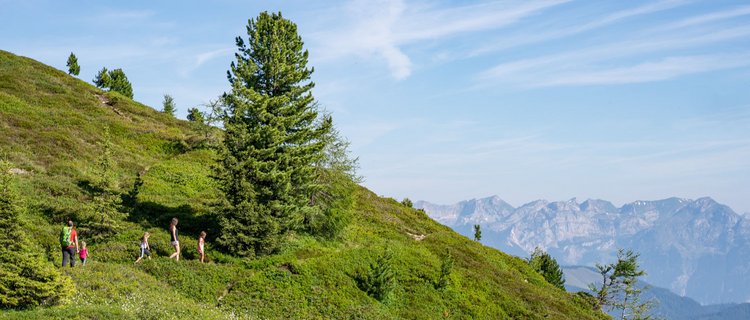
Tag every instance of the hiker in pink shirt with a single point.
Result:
(83, 253)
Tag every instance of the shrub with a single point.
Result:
(407, 202)
(378, 281)
(547, 266)
(445, 271)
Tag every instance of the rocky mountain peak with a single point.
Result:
(682, 242)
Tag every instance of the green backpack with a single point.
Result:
(65, 237)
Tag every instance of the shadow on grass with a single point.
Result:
(156, 215)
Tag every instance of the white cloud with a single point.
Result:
(608, 63)
(363, 134)
(666, 68)
(536, 37)
(111, 17)
(710, 17)
(202, 58)
(380, 29)
(196, 60)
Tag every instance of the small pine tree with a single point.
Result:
(446, 267)
(119, 83)
(73, 67)
(102, 79)
(547, 266)
(619, 289)
(211, 118)
(114, 80)
(169, 106)
(477, 233)
(26, 278)
(407, 202)
(379, 280)
(130, 200)
(194, 115)
(106, 205)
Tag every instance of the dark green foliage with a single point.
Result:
(119, 83)
(273, 139)
(379, 279)
(168, 105)
(73, 67)
(477, 233)
(130, 200)
(102, 79)
(105, 210)
(407, 202)
(619, 289)
(114, 80)
(194, 115)
(26, 279)
(446, 267)
(547, 266)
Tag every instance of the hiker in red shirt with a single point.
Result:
(69, 244)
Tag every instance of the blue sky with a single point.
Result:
(451, 100)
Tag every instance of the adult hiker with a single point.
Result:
(175, 239)
(69, 244)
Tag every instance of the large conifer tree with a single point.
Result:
(274, 136)
(26, 278)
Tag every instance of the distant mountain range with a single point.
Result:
(696, 248)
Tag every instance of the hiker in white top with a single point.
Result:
(145, 248)
(201, 246)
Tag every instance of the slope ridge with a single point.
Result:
(52, 128)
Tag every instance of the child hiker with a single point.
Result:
(201, 245)
(175, 239)
(83, 253)
(145, 248)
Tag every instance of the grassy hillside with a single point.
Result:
(52, 125)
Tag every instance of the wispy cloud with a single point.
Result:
(662, 69)
(113, 17)
(364, 134)
(382, 28)
(198, 59)
(624, 61)
(710, 17)
(546, 35)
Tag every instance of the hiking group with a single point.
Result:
(70, 246)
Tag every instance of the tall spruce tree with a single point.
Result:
(73, 67)
(274, 136)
